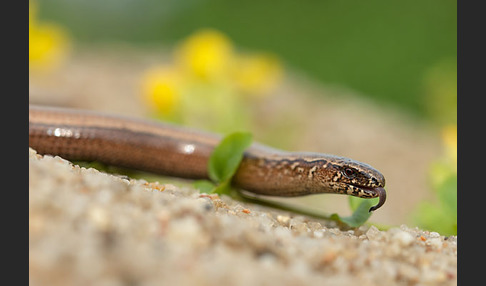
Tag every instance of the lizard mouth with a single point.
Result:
(370, 192)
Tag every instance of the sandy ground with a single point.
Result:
(90, 228)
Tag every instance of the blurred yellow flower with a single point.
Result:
(207, 55)
(161, 87)
(257, 74)
(48, 43)
(449, 137)
(209, 83)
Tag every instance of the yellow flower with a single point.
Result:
(449, 137)
(48, 43)
(206, 55)
(162, 90)
(204, 85)
(257, 74)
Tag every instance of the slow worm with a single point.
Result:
(174, 151)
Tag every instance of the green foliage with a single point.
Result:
(440, 216)
(226, 157)
(204, 186)
(360, 214)
(440, 86)
(224, 162)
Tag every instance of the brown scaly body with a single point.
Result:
(180, 152)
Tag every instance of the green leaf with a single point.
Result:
(223, 188)
(355, 202)
(361, 213)
(204, 186)
(226, 157)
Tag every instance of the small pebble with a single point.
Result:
(403, 238)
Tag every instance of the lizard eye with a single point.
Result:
(349, 173)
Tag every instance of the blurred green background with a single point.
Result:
(383, 49)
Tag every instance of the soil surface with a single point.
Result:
(91, 228)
